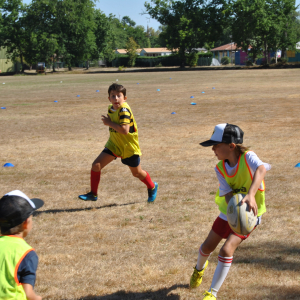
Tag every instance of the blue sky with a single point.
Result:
(121, 8)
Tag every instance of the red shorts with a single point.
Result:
(222, 228)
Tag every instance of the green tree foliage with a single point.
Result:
(104, 35)
(264, 25)
(13, 33)
(189, 23)
(131, 48)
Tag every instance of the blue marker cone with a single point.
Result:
(203, 92)
(55, 101)
(137, 83)
(8, 165)
(170, 78)
(78, 96)
(3, 107)
(213, 88)
(158, 90)
(192, 97)
(97, 91)
(193, 103)
(173, 113)
(297, 165)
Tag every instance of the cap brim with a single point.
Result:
(209, 143)
(37, 202)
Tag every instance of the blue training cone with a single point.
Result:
(8, 165)
(192, 97)
(173, 113)
(213, 88)
(193, 103)
(55, 101)
(78, 96)
(3, 107)
(203, 92)
(97, 91)
(158, 90)
(297, 165)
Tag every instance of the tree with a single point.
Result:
(42, 32)
(75, 19)
(131, 47)
(189, 23)
(104, 36)
(263, 25)
(13, 33)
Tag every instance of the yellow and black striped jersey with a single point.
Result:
(123, 145)
(125, 117)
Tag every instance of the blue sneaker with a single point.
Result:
(88, 197)
(152, 193)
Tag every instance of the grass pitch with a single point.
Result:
(120, 247)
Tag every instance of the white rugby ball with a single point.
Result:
(240, 219)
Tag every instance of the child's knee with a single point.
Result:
(226, 250)
(96, 167)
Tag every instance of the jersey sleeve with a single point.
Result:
(27, 268)
(124, 116)
(224, 187)
(254, 162)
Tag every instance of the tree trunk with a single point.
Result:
(266, 57)
(87, 65)
(21, 57)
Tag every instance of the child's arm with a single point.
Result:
(258, 177)
(123, 129)
(30, 294)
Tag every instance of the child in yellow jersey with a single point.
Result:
(123, 142)
(239, 171)
(18, 260)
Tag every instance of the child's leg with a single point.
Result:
(99, 163)
(143, 176)
(225, 260)
(206, 249)
(209, 245)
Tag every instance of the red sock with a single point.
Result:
(149, 183)
(95, 180)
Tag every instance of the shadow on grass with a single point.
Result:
(271, 255)
(55, 211)
(160, 294)
(277, 293)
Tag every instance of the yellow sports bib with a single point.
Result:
(240, 182)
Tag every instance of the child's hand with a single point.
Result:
(251, 202)
(106, 120)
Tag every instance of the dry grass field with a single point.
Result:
(120, 247)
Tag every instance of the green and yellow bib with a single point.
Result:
(123, 145)
(240, 182)
(12, 251)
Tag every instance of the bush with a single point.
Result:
(249, 63)
(192, 59)
(225, 60)
(282, 60)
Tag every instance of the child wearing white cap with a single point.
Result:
(18, 260)
(238, 171)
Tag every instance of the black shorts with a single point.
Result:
(132, 161)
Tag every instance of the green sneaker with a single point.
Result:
(196, 278)
(209, 296)
(88, 197)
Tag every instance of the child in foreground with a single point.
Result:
(238, 171)
(18, 260)
(123, 142)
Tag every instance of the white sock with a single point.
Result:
(202, 258)
(221, 272)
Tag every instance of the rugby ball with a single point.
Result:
(240, 219)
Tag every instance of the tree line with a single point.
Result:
(257, 26)
(46, 30)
